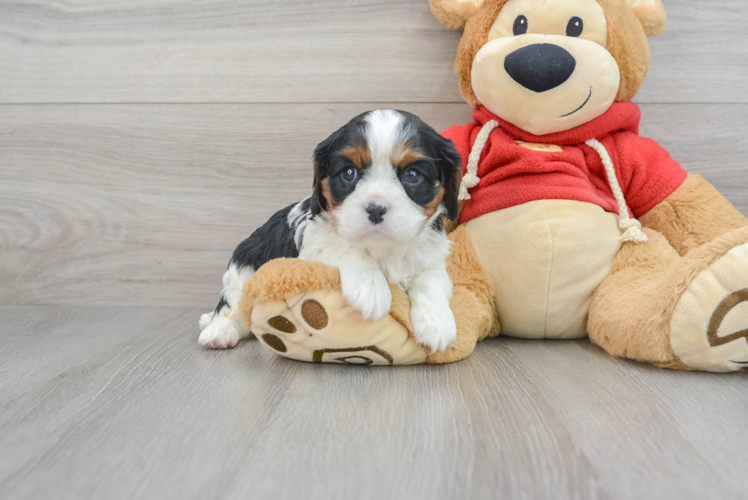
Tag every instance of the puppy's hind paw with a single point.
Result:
(219, 335)
(205, 320)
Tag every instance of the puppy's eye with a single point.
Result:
(412, 177)
(520, 26)
(350, 174)
(575, 26)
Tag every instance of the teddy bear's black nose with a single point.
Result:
(540, 67)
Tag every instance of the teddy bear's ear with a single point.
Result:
(454, 13)
(651, 14)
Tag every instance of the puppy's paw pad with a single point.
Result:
(219, 335)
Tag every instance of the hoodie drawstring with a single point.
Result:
(632, 228)
(471, 179)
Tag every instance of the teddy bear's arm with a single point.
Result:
(692, 215)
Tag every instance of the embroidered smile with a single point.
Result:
(580, 107)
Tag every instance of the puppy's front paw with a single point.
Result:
(219, 335)
(433, 326)
(367, 292)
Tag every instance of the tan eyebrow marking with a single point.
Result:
(359, 154)
(404, 154)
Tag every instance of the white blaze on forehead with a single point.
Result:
(386, 130)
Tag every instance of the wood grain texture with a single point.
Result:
(143, 412)
(143, 204)
(305, 51)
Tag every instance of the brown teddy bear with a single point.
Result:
(571, 224)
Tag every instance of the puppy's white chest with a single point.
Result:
(401, 263)
(398, 278)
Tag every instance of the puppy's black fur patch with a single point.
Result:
(273, 240)
(444, 160)
(330, 162)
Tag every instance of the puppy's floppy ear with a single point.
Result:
(322, 157)
(449, 162)
(454, 13)
(651, 13)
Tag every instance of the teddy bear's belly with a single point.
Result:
(546, 258)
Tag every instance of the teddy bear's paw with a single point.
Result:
(219, 335)
(319, 326)
(709, 326)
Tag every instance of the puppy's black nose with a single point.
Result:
(540, 67)
(376, 212)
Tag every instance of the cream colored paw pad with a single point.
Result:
(321, 327)
(709, 328)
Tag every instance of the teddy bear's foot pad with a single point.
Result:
(709, 327)
(320, 327)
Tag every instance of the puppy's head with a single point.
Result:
(385, 175)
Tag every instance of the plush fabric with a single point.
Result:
(539, 251)
(511, 175)
(693, 215)
(627, 43)
(454, 13)
(545, 81)
(546, 259)
(651, 13)
(632, 311)
(315, 325)
(471, 300)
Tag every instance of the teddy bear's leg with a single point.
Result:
(676, 312)
(472, 300)
(694, 214)
(296, 308)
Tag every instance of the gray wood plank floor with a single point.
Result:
(140, 141)
(107, 402)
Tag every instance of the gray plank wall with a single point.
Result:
(140, 141)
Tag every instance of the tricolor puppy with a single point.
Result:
(383, 184)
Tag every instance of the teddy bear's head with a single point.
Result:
(548, 66)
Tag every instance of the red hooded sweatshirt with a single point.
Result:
(511, 174)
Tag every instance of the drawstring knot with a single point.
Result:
(469, 181)
(633, 231)
(632, 227)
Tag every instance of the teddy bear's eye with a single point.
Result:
(575, 26)
(520, 26)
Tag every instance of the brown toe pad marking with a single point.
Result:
(314, 314)
(282, 324)
(274, 342)
(720, 312)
